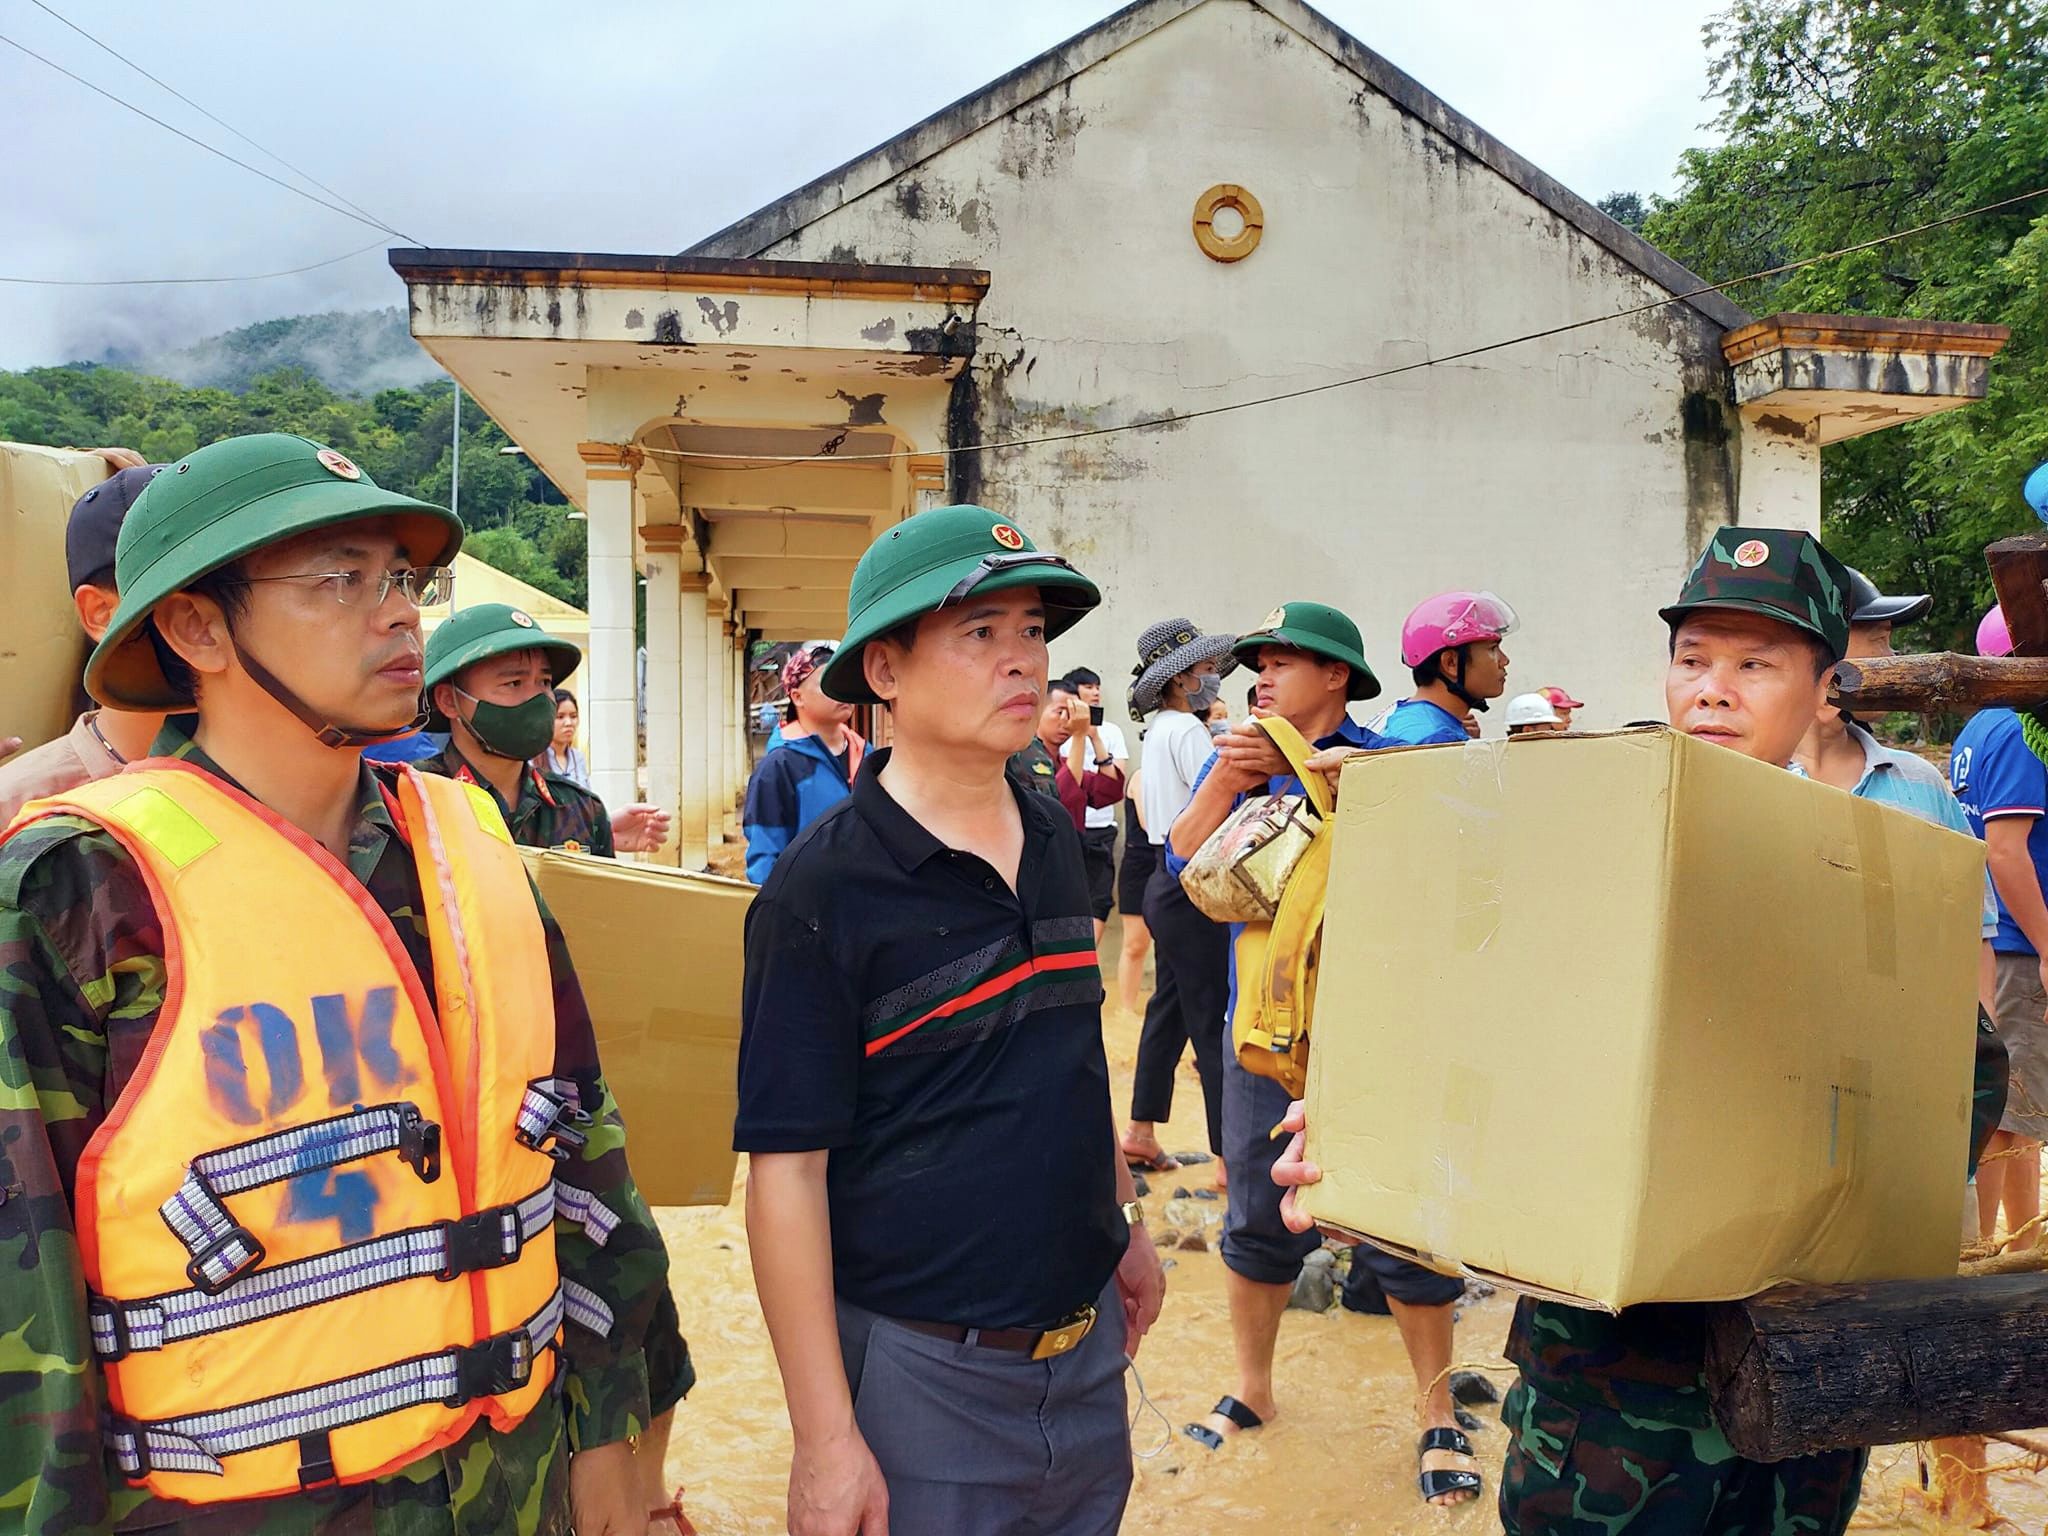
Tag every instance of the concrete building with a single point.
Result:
(1061, 297)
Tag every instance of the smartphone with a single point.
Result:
(1095, 714)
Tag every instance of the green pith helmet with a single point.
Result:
(937, 558)
(1320, 630)
(214, 506)
(476, 634)
(1779, 573)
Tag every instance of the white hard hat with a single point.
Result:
(1531, 709)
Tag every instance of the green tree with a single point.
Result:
(1844, 120)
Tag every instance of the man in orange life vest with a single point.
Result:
(332, 1230)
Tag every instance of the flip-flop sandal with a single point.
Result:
(1473, 1389)
(1163, 1163)
(1436, 1483)
(1232, 1410)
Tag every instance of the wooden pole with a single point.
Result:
(1942, 680)
(1810, 1368)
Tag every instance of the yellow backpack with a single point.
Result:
(1276, 961)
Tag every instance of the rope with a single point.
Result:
(154, 282)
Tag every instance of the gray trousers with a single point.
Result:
(988, 1442)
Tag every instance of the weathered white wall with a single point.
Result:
(1575, 476)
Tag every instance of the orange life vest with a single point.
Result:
(316, 1226)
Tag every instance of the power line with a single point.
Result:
(771, 461)
(202, 144)
(209, 116)
(156, 282)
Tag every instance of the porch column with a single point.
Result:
(713, 723)
(694, 680)
(663, 571)
(609, 699)
(736, 715)
(1778, 473)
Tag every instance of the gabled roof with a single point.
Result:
(762, 229)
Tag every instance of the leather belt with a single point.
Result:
(1038, 1343)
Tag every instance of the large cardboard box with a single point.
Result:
(1632, 1018)
(42, 649)
(659, 953)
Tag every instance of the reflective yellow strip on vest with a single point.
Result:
(198, 1442)
(166, 826)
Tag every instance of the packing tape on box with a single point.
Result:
(1479, 873)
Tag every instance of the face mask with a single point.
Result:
(1207, 693)
(514, 730)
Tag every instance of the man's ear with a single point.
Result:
(444, 700)
(878, 663)
(196, 629)
(95, 607)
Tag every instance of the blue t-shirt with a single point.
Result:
(1996, 774)
(1349, 734)
(1419, 723)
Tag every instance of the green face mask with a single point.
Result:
(514, 730)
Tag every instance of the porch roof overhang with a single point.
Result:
(1833, 377)
(522, 330)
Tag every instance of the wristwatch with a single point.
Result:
(1134, 1213)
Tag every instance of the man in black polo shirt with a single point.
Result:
(922, 1026)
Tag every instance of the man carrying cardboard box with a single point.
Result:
(1610, 1422)
(923, 1022)
(288, 1128)
(1311, 665)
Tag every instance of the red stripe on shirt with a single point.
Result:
(995, 986)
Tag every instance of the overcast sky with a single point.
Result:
(623, 125)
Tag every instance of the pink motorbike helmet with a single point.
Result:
(1993, 638)
(1452, 619)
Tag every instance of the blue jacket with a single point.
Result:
(795, 783)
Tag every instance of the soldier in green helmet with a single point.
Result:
(269, 597)
(491, 672)
(1611, 1429)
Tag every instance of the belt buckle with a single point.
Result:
(1061, 1337)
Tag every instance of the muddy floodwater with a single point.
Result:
(1339, 1458)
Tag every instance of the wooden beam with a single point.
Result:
(1810, 1368)
(2019, 572)
(1943, 680)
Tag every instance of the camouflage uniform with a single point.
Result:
(1611, 1429)
(1035, 768)
(82, 978)
(553, 812)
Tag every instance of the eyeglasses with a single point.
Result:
(423, 585)
(990, 564)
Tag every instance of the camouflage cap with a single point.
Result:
(1778, 573)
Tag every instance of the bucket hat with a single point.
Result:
(1169, 648)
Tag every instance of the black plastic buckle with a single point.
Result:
(419, 1143)
(117, 1425)
(502, 1364)
(116, 1314)
(566, 1123)
(213, 1250)
(316, 1462)
(478, 1242)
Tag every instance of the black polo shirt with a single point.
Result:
(942, 1037)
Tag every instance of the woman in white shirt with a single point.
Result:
(562, 757)
(1178, 675)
